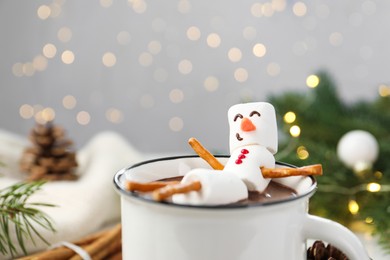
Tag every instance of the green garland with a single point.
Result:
(22, 217)
(323, 119)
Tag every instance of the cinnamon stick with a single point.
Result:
(101, 243)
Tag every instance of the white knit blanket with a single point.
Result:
(83, 206)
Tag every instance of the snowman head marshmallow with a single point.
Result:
(253, 124)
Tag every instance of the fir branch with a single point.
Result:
(324, 118)
(17, 214)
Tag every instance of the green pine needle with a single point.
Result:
(17, 214)
(324, 118)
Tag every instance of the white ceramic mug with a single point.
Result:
(273, 230)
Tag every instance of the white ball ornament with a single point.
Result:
(358, 150)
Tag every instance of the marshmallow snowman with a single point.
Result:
(253, 142)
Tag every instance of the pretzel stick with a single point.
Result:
(147, 186)
(205, 154)
(167, 191)
(315, 169)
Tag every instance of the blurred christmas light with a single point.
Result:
(299, 9)
(176, 95)
(289, 117)
(369, 220)
(49, 50)
(55, 10)
(184, 6)
(193, 33)
(48, 114)
(45, 115)
(83, 118)
(279, 5)
(259, 50)
(185, 67)
(384, 90)
(312, 81)
(69, 102)
(295, 131)
(106, 3)
(267, 9)
(256, 10)
(139, 6)
(213, 40)
(64, 34)
(373, 187)
(302, 153)
(378, 174)
(353, 207)
(241, 75)
(114, 115)
(43, 12)
(211, 84)
(109, 59)
(26, 111)
(40, 63)
(234, 54)
(176, 124)
(28, 69)
(67, 57)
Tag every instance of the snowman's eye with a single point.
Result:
(254, 113)
(237, 116)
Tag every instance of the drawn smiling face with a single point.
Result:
(253, 124)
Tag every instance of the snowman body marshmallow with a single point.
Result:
(253, 141)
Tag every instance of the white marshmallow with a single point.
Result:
(245, 163)
(266, 133)
(217, 188)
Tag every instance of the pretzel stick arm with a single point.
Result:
(169, 190)
(315, 169)
(205, 154)
(147, 186)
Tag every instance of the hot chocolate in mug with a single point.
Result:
(264, 230)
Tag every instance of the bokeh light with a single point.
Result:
(295, 131)
(83, 118)
(211, 84)
(69, 102)
(109, 59)
(67, 57)
(289, 117)
(213, 40)
(312, 81)
(176, 124)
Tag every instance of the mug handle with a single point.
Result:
(336, 234)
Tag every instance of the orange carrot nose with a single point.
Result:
(247, 125)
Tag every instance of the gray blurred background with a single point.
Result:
(161, 71)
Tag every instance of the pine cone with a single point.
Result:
(51, 157)
(318, 251)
